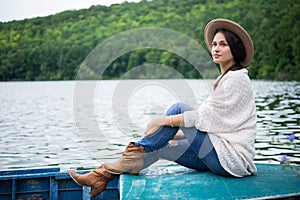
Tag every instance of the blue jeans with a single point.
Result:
(195, 151)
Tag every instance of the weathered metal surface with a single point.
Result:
(172, 182)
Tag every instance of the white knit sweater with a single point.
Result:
(228, 115)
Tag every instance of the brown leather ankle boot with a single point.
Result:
(96, 179)
(130, 162)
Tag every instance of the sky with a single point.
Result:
(24, 9)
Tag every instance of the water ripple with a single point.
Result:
(37, 128)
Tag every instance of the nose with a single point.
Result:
(216, 48)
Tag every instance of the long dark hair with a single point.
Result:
(237, 49)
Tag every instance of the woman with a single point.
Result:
(217, 137)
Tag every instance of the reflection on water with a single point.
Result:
(37, 126)
(278, 110)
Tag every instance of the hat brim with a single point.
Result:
(215, 24)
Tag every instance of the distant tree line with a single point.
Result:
(53, 47)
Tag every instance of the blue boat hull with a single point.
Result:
(270, 182)
(48, 184)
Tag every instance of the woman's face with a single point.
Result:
(221, 52)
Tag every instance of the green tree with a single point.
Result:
(53, 47)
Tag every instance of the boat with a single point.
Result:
(159, 182)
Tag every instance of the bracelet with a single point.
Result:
(171, 122)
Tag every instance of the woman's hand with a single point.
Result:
(179, 135)
(154, 125)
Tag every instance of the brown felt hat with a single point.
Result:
(215, 24)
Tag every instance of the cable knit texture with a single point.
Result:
(228, 115)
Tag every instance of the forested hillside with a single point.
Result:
(53, 47)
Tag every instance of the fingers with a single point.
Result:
(150, 131)
(154, 125)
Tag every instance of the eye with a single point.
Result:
(223, 44)
(214, 44)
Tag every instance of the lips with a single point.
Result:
(216, 55)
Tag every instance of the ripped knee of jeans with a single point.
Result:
(173, 143)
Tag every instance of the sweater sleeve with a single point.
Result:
(225, 109)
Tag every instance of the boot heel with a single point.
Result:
(94, 191)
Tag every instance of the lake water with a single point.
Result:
(81, 124)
